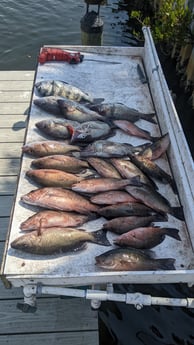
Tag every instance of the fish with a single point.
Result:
(125, 209)
(155, 200)
(152, 169)
(48, 147)
(110, 149)
(48, 104)
(156, 149)
(112, 197)
(120, 225)
(131, 259)
(54, 218)
(89, 131)
(60, 162)
(55, 128)
(53, 177)
(133, 130)
(128, 169)
(96, 185)
(120, 111)
(78, 112)
(61, 88)
(103, 167)
(146, 237)
(56, 240)
(56, 198)
(106, 149)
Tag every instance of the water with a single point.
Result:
(24, 27)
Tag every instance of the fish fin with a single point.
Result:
(79, 247)
(174, 233)
(165, 264)
(100, 238)
(161, 217)
(135, 181)
(177, 212)
(154, 139)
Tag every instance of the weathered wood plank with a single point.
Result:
(14, 108)
(6, 202)
(13, 136)
(4, 223)
(13, 121)
(67, 338)
(13, 85)
(17, 75)
(52, 315)
(10, 150)
(8, 186)
(15, 96)
(9, 167)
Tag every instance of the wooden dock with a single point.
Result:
(57, 320)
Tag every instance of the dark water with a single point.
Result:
(24, 27)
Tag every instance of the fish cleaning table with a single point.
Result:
(109, 73)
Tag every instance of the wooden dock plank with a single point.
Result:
(60, 338)
(53, 314)
(56, 321)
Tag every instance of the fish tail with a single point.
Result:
(149, 117)
(154, 139)
(135, 181)
(177, 212)
(160, 217)
(174, 233)
(165, 264)
(99, 237)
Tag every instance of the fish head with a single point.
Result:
(83, 136)
(44, 88)
(24, 242)
(42, 124)
(106, 260)
(27, 149)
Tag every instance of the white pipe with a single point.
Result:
(137, 299)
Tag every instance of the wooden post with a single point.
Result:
(92, 25)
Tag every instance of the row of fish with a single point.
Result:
(104, 178)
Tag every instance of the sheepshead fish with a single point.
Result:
(57, 240)
(54, 218)
(131, 259)
(96, 185)
(53, 177)
(119, 111)
(48, 147)
(55, 128)
(112, 198)
(60, 162)
(56, 198)
(146, 237)
(153, 170)
(104, 167)
(89, 131)
(133, 130)
(120, 225)
(128, 169)
(154, 200)
(106, 149)
(48, 104)
(78, 112)
(157, 149)
(125, 209)
(60, 88)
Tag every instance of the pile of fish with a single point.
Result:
(82, 176)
